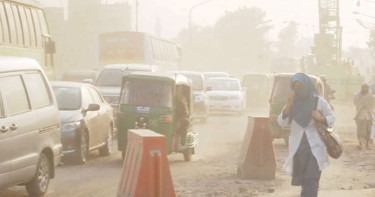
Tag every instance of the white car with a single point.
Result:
(225, 95)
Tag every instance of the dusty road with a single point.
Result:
(213, 170)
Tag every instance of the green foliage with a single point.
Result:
(236, 43)
(287, 40)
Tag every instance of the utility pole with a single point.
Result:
(136, 15)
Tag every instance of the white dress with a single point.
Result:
(318, 147)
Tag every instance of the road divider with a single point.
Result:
(257, 157)
(146, 169)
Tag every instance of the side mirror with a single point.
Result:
(50, 47)
(90, 81)
(93, 107)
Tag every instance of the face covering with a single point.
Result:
(300, 93)
(364, 92)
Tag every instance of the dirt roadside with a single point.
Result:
(351, 175)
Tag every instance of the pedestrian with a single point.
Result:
(328, 92)
(307, 152)
(364, 103)
(182, 115)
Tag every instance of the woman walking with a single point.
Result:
(307, 152)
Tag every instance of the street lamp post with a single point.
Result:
(190, 13)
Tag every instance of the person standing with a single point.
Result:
(307, 152)
(364, 103)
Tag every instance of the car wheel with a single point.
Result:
(83, 154)
(39, 184)
(107, 149)
(188, 152)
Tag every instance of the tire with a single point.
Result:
(187, 154)
(123, 154)
(107, 149)
(83, 154)
(39, 184)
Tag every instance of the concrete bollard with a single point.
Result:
(257, 158)
(146, 169)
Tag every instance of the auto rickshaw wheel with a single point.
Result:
(123, 155)
(188, 152)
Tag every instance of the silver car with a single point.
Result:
(29, 126)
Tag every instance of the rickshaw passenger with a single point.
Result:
(182, 115)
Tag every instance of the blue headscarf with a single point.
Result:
(304, 100)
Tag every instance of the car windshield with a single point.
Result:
(109, 77)
(147, 93)
(223, 84)
(68, 98)
(213, 75)
(254, 81)
(196, 80)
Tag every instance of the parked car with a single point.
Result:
(208, 75)
(225, 95)
(86, 120)
(109, 79)
(29, 126)
(259, 87)
(87, 76)
(200, 98)
(280, 91)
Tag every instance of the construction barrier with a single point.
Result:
(257, 158)
(146, 170)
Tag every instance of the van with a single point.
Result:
(29, 126)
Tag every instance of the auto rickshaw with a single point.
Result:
(259, 86)
(279, 97)
(148, 101)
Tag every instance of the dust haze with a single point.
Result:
(255, 45)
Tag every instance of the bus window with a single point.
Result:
(43, 22)
(25, 27)
(3, 24)
(38, 29)
(18, 24)
(31, 27)
(12, 25)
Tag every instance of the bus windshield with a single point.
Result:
(147, 93)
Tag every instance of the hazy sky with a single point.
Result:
(173, 15)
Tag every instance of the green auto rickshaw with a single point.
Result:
(279, 97)
(148, 101)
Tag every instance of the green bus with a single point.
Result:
(24, 33)
(125, 47)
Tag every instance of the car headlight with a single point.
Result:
(199, 98)
(70, 126)
(236, 97)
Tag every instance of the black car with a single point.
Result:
(86, 120)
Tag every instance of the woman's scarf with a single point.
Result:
(304, 100)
